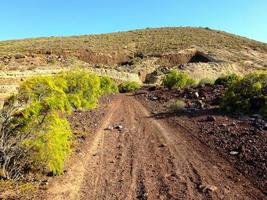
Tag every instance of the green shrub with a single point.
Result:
(50, 145)
(129, 86)
(177, 105)
(247, 95)
(175, 79)
(227, 80)
(47, 92)
(206, 81)
(33, 124)
(83, 89)
(107, 85)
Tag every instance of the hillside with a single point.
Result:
(123, 45)
(137, 54)
(153, 121)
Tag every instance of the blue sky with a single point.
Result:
(35, 18)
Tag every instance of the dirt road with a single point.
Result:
(147, 159)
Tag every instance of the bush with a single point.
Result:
(83, 89)
(177, 105)
(107, 85)
(247, 95)
(227, 80)
(175, 79)
(33, 124)
(206, 81)
(50, 145)
(129, 86)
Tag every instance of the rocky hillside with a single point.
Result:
(146, 54)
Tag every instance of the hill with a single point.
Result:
(203, 52)
(148, 42)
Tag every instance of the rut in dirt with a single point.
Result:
(146, 159)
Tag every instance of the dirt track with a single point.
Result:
(147, 159)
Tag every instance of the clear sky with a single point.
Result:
(35, 18)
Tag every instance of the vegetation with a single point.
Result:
(146, 41)
(35, 133)
(175, 79)
(17, 190)
(227, 80)
(247, 95)
(107, 85)
(206, 81)
(129, 86)
(83, 89)
(177, 105)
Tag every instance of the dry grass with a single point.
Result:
(147, 41)
(17, 190)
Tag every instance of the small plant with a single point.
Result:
(107, 85)
(227, 80)
(206, 81)
(129, 86)
(177, 105)
(247, 95)
(175, 79)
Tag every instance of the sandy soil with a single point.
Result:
(132, 155)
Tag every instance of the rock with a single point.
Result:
(119, 127)
(200, 104)
(196, 94)
(182, 67)
(44, 182)
(19, 56)
(257, 116)
(207, 188)
(110, 128)
(155, 98)
(260, 123)
(211, 118)
(233, 124)
(162, 145)
(223, 125)
(233, 153)
(43, 185)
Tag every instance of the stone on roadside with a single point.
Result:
(233, 153)
(211, 118)
(154, 98)
(207, 188)
(196, 94)
(110, 128)
(119, 127)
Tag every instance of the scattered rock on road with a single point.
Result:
(207, 188)
(196, 94)
(233, 153)
(110, 128)
(211, 118)
(119, 127)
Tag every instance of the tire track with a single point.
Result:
(149, 160)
